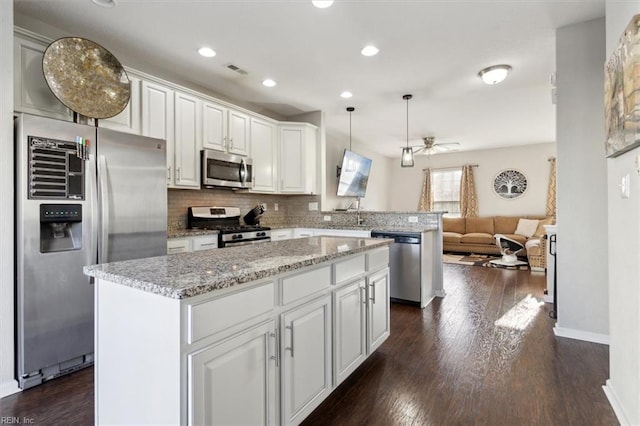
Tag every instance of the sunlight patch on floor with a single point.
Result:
(520, 316)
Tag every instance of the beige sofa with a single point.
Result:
(477, 235)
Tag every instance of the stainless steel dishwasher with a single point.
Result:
(405, 265)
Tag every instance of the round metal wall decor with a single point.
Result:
(86, 77)
(510, 184)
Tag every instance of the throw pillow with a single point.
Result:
(527, 227)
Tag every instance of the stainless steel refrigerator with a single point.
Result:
(84, 195)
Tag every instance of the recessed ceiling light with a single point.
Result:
(494, 74)
(268, 82)
(346, 94)
(207, 52)
(105, 3)
(369, 50)
(322, 4)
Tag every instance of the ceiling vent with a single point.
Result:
(236, 69)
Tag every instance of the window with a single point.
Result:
(445, 191)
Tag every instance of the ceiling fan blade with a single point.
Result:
(442, 147)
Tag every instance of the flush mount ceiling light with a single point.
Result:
(494, 74)
(369, 50)
(346, 94)
(105, 3)
(207, 52)
(407, 152)
(269, 82)
(322, 4)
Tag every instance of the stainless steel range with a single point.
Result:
(226, 220)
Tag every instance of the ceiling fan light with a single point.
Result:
(407, 157)
(495, 74)
(322, 4)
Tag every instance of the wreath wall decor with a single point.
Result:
(510, 184)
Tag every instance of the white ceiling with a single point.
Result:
(431, 49)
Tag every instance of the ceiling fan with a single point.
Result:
(430, 146)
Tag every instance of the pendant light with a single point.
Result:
(351, 164)
(407, 152)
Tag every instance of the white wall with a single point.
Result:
(532, 160)
(378, 187)
(583, 307)
(7, 383)
(623, 386)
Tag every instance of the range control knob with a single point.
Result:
(236, 237)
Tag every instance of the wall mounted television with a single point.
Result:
(354, 175)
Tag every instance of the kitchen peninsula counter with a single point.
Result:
(183, 275)
(209, 337)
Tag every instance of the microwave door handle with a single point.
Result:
(243, 172)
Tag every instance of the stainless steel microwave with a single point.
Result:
(226, 170)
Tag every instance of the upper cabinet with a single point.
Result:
(129, 119)
(158, 121)
(188, 141)
(225, 129)
(31, 92)
(297, 154)
(265, 155)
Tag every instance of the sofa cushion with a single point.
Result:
(527, 227)
(478, 238)
(540, 231)
(480, 225)
(505, 224)
(451, 237)
(454, 224)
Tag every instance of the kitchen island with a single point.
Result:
(257, 334)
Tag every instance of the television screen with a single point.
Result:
(354, 175)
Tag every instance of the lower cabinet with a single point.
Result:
(350, 331)
(306, 359)
(234, 382)
(378, 322)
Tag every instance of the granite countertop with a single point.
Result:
(385, 228)
(184, 275)
(181, 233)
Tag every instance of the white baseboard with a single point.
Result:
(9, 388)
(548, 298)
(612, 396)
(440, 293)
(581, 335)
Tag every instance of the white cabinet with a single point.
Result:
(264, 154)
(377, 309)
(158, 119)
(281, 234)
(343, 233)
(225, 129)
(128, 120)
(238, 133)
(205, 242)
(188, 141)
(178, 245)
(350, 327)
(234, 382)
(31, 92)
(306, 359)
(303, 232)
(297, 154)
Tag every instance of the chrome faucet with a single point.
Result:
(358, 217)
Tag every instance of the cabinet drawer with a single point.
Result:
(349, 268)
(178, 245)
(298, 286)
(209, 317)
(378, 259)
(205, 243)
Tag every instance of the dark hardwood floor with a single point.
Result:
(485, 354)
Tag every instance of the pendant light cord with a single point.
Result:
(408, 122)
(350, 110)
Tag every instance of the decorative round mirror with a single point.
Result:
(86, 77)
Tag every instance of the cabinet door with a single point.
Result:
(205, 243)
(281, 234)
(264, 154)
(234, 382)
(214, 126)
(187, 141)
(128, 120)
(292, 166)
(306, 359)
(31, 92)
(178, 245)
(238, 133)
(350, 339)
(157, 119)
(378, 309)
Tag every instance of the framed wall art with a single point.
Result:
(510, 184)
(622, 93)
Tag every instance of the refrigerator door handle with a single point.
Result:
(104, 202)
(93, 190)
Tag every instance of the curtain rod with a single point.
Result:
(447, 168)
(551, 158)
